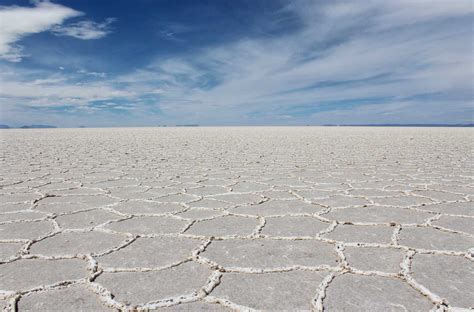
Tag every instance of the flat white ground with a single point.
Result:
(235, 218)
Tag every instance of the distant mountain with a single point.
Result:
(38, 127)
(4, 127)
(402, 125)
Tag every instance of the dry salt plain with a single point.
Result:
(333, 219)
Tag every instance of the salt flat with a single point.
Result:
(340, 219)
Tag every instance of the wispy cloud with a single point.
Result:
(37, 88)
(17, 22)
(346, 62)
(383, 52)
(174, 31)
(85, 30)
(92, 73)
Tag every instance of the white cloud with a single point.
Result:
(397, 112)
(92, 73)
(173, 31)
(388, 55)
(89, 92)
(85, 30)
(411, 47)
(48, 81)
(17, 22)
(35, 88)
(156, 91)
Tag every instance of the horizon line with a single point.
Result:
(395, 125)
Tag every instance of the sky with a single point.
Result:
(100, 63)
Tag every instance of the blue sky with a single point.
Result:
(252, 62)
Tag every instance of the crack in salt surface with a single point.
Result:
(321, 175)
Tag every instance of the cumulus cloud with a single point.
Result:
(17, 22)
(85, 30)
